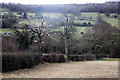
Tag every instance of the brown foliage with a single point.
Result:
(8, 44)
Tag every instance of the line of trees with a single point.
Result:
(68, 8)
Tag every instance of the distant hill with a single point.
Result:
(68, 8)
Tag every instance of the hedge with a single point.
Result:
(54, 58)
(15, 61)
(25, 61)
(9, 62)
(82, 57)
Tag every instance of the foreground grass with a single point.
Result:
(7, 30)
(109, 59)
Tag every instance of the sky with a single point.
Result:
(54, 1)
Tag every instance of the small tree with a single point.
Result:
(10, 13)
(25, 15)
(23, 38)
(99, 18)
(102, 39)
(107, 14)
(9, 21)
(89, 24)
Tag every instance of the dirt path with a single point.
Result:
(91, 69)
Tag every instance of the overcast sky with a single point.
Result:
(54, 1)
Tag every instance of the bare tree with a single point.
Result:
(67, 35)
(40, 33)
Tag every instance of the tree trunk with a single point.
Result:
(66, 48)
(40, 47)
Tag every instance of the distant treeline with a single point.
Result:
(67, 8)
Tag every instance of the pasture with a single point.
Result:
(87, 15)
(96, 69)
(53, 19)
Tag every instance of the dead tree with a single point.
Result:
(40, 34)
(67, 29)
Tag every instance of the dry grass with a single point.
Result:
(89, 69)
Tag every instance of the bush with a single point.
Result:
(82, 57)
(37, 58)
(12, 61)
(46, 58)
(24, 39)
(9, 62)
(25, 61)
(9, 22)
(99, 56)
(51, 58)
(84, 24)
(54, 58)
(107, 14)
(8, 44)
(61, 58)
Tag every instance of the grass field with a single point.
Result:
(93, 15)
(90, 14)
(109, 59)
(112, 21)
(7, 30)
(37, 22)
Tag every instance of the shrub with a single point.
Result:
(51, 58)
(77, 24)
(84, 24)
(15, 61)
(8, 44)
(25, 61)
(99, 56)
(115, 16)
(82, 57)
(9, 62)
(24, 39)
(107, 14)
(61, 58)
(46, 58)
(37, 58)
(54, 58)
(8, 22)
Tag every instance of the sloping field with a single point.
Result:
(89, 69)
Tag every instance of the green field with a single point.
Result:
(59, 16)
(93, 15)
(109, 59)
(112, 21)
(90, 14)
(7, 30)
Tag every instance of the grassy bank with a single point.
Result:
(109, 59)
